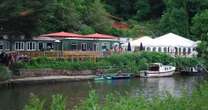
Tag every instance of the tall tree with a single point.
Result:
(142, 8)
(65, 17)
(20, 17)
(97, 17)
(200, 31)
(174, 20)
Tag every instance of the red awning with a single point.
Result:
(100, 36)
(62, 34)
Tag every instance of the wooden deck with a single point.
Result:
(73, 55)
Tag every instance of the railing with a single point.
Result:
(73, 55)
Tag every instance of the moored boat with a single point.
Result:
(197, 70)
(158, 70)
(118, 76)
(99, 77)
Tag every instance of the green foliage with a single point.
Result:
(86, 30)
(175, 20)
(186, 62)
(137, 29)
(23, 17)
(5, 73)
(96, 16)
(200, 25)
(35, 104)
(58, 102)
(128, 62)
(143, 9)
(65, 17)
(200, 30)
(91, 103)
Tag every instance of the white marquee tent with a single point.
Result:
(172, 40)
(168, 43)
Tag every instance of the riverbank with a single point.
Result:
(44, 79)
(127, 63)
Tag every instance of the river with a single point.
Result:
(14, 98)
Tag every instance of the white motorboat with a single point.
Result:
(158, 70)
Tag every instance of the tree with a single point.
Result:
(23, 17)
(200, 25)
(65, 17)
(200, 31)
(142, 9)
(97, 17)
(174, 20)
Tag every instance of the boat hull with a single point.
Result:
(156, 74)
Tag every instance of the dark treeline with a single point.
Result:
(34, 17)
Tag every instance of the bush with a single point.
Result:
(5, 73)
(58, 102)
(35, 104)
(127, 62)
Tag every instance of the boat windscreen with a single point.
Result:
(154, 68)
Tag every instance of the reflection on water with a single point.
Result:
(16, 97)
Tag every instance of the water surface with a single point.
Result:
(14, 98)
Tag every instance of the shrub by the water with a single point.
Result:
(5, 73)
(127, 62)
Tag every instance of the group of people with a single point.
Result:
(114, 49)
(12, 57)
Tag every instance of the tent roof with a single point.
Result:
(145, 40)
(100, 36)
(61, 34)
(173, 40)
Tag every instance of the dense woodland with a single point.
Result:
(188, 18)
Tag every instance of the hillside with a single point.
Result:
(146, 17)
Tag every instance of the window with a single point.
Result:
(159, 49)
(94, 47)
(31, 46)
(189, 50)
(40, 46)
(1, 45)
(19, 46)
(148, 48)
(184, 51)
(73, 46)
(84, 46)
(165, 49)
(154, 49)
(7, 45)
(49, 46)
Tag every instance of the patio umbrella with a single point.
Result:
(141, 47)
(129, 47)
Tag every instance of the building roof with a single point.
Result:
(173, 40)
(62, 34)
(100, 36)
(44, 38)
(120, 25)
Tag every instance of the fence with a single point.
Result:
(73, 55)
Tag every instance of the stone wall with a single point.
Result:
(52, 72)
